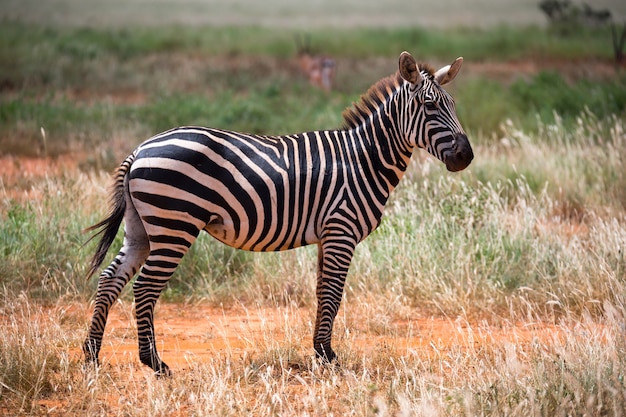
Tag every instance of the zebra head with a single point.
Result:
(431, 121)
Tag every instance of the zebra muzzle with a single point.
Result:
(460, 156)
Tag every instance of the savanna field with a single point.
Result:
(496, 291)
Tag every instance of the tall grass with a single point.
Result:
(41, 240)
(32, 352)
(531, 221)
(533, 232)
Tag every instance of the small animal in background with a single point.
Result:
(319, 69)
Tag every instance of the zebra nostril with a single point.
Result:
(460, 155)
(462, 149)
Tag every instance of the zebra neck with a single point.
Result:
(388, 151)
(377, 119)
(386, 161)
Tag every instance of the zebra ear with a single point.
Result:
(447, 73)
(408, 68)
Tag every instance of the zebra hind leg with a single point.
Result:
(147, 292)
(157, 270)
(110, 284)
(114, 278)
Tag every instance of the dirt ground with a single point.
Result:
(192, 334)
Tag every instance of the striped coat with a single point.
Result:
(270, 193)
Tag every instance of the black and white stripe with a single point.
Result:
(271, 193)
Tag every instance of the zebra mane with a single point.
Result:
(376, 95)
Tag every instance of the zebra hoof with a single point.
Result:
(91, 362)
(91, 351)
(91, 366)
(163, 371)
(159, 367)
(325, 353)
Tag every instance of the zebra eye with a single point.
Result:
(430, 106)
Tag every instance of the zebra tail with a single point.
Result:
(108, 227)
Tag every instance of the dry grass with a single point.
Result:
(575, 367)
(496, 292)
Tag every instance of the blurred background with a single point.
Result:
(444, 14)
(99, 77)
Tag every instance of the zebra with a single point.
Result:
(270, 193)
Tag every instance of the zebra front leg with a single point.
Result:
(333, 263)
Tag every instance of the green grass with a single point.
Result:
(89, 87)
(43, 55)
(41, 242)
(40, 57)
(483, 105)
(542, 135)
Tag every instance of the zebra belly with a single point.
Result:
(225, 232)
(163, 207)
(171, 192)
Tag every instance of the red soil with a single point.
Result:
(192, 334)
